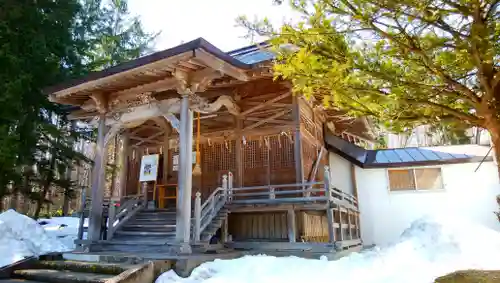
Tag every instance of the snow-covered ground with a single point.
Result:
(430, 248)
(21, 237)
(65, 229)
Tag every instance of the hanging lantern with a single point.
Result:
(197, 166)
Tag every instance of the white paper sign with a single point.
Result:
(149, 168)
(175, 161)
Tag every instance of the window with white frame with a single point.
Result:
(418, 179)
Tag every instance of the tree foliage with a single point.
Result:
(43, 43)
(112, 34)
(403, 62)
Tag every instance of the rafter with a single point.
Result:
(266, 104)
(219, 65)
(261, 122)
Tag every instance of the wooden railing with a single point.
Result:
(120, 212)
(341, 207)
(206, 212)
(115, 212)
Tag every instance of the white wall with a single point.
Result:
(340, 173)
(384, 214)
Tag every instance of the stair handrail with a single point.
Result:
(206, 212)
(119, 212)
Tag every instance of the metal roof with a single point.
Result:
(253, 54)
(407, 157)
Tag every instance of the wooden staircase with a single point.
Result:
(154, 231)
(147, 231)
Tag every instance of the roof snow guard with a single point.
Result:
(406, 157)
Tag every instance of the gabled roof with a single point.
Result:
(406, 157)
(199, 43)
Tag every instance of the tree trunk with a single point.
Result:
(495, 143)
(39, 202)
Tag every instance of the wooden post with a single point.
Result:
(239, 151)
(292, 229)
(166, 155)
(225, 231)
(230, 186)
(329, 209)
(124, 165)
(98, 176)
(111, 220)
(197, 217)
(183, 219)
(297, 146)
(144, 192)
(225, 188)
(82, 215)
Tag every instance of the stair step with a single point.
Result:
(19, 281)
(78, 266)
(144, 233)
(61, 276)
(145, 225)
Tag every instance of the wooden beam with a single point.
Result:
(256, 103)
(261, 122)
(265, 104)
(274, 121)
(220, 65)
(161, 64)
(157, 86)
(150, 138)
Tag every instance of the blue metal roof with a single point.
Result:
(406, 157)
(252, 54)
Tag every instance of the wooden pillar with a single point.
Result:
(239, 152)
(98, 178)
(292, 227)
(329, 211)
(297, 146)
(124, 164)
(183, 219)
(166, 155)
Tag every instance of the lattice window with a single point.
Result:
(219, 156)
(281, 152)
(254, 154)
(309, 126)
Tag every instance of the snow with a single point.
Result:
(429, 248)
(21, 237)
(63, 228)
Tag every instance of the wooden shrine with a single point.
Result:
(210, 115)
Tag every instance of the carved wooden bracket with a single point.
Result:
(100, 102)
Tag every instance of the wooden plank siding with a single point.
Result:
(269, 226)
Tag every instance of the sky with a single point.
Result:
(215, 20)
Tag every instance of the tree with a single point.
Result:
(55, 154)
(112, 34)
(37, 48)
(404, 62)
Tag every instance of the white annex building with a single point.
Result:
(397, 186)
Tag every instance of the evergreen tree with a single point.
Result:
(36, 49)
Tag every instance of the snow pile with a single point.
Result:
(63, 228)
(429, 248)
(21, 237)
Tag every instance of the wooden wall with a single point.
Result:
(312, 226)
(269, 226)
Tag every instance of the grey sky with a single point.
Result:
(185, 20)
